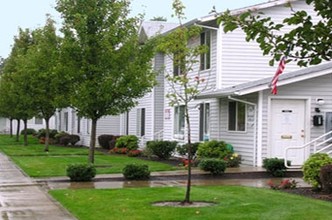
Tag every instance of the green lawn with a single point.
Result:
(233, 202)
(38, 163)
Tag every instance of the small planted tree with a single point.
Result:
(184, 86)
(101, 53)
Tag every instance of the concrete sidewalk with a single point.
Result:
(23, 198)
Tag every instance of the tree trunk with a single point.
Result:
(25, 121)
(11, 127)
(187, 196)
(92, 141)
(18, 130)
(47, 134)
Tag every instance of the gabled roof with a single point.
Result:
(262, 84)
(150, 29)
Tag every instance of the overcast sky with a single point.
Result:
(31, 13)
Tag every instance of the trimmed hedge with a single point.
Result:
(81, 172)
(161, 149)
(275, 166)
(312, 166)
(136, 172)
(128, 141)
(30, 131)
(213, 165)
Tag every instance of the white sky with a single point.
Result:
(31, 13)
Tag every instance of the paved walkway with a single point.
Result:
(22, 198)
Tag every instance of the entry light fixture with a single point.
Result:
(320, 101)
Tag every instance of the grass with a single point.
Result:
(38, 163)
(232, 202)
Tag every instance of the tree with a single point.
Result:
(47, 85)
(185, 86)
(15, 94)
(308, 43)
(102, 54)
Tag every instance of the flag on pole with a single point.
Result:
(273, 83)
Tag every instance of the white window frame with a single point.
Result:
(236, 126)
(179, 122)
(205, 58)
(204, 121)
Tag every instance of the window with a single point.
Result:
(66, 120)
(206, 57)
(204, 122)
(38, 121)
(236, 116)
(141, 122)
(178, 64)
(179, 123)
(78, 124)
(88, 126)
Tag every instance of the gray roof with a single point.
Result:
(262, 84)
(152, 28)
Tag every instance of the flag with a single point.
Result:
(273, 83)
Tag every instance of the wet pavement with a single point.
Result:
(22, 198)
(249, 176)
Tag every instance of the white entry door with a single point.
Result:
(288, 129)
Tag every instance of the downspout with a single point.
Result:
(255, 124)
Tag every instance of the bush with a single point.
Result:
(104, 141)
(59, 135)
(326, 178)
(136, 172)
(312, 166)
(42, 133)
(275, 166)
(233, 160)
(161, 149)
(183, 149)
(64, 140)
(213, 149)
(129, 141)
(119, 150)
(73, 139)
(134, 153)
(81, 172)
(30, 131)
(213, 165)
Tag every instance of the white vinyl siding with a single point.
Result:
(204, 122)
(243, 61)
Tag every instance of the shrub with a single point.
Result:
(134, 153)
(104, 140)
(113, 141)
(213, 149)
(284, 184)
(275, 166)
(74, 138)
(326, 178)
(183, 149)
(312, 166)
(117, 150)
(129, 141)
(58, 137)
(213, 165)
(162, 149)
(81, 172)
(136, 172)
(42, 133)
(64, 140)
(233, 160)
(30, 131)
